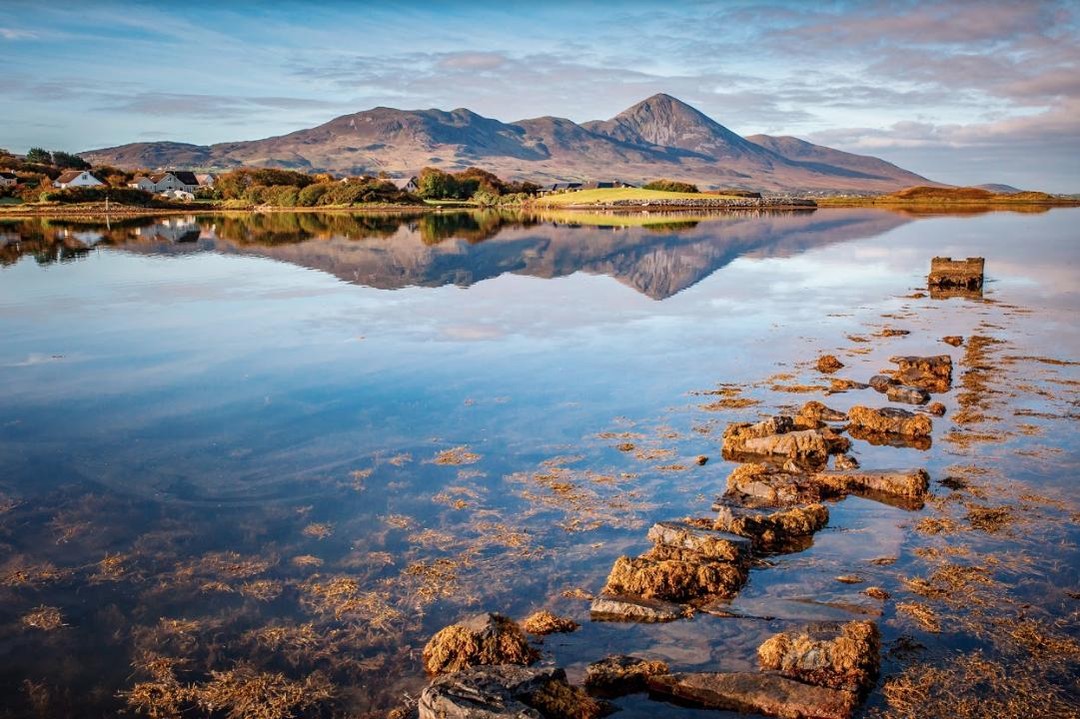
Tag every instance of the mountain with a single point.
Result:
(658, 137)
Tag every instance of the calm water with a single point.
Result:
(237, 412)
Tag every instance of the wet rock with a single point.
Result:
(845, 461)
(936, 408)
(506, 692)
(674, 579)
(911, 483)
(881, 382)
(842, 385)
(807, 445)
(876, 593)
(890, 420)
(754, 693)
(701, 460)
(758, 485)
(893, 332)
(623, 607)
(706, 542)
(933, 373)
(845, 656)
(954, 340)
(772, 529)
(620, 674)
(828, 364)
(947, 273)
(544, 622)
(818, 412)
(908, 395)
(486, 638)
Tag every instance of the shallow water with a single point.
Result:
(282, 386)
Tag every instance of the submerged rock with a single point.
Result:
(890, 420)
(933, 373)
(506, 692)
(750, 692)
(908, 395)
(674, 579)
(843, 656)
(771, 529)
(910, 483)
(881, 382)
(624, 607)
(486, 638)
(936, 408)
(828, 364)
(954, 340)
(706, 542)
(621, 674)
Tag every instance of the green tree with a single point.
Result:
(69, 161)
(39, 155)
(434, 184)
(671, 186)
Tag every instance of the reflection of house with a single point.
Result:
(161, 182)
(410, 184)
(177, 230)
(7, 179)
(76, 178)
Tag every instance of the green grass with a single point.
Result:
(606, 196)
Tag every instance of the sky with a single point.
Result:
(961, 92)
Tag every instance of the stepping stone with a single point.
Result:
(629, 608)
(706, 542)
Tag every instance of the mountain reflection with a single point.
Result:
(657, 255)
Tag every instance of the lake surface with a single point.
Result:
(307, 442)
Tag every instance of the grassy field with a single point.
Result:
(924, 197)
(606, 196)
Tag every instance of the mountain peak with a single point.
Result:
(665, 121)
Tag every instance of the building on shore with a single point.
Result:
(76, 178)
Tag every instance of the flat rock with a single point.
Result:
(807, 444)
(629, 608)
(493, 692)
(621, 674)
(908, 395)
(890, 420)
(839, 656)
(758, 486)
(820, 412)
(751, 692)
(772, 529)
(709, 543)
(912, 483)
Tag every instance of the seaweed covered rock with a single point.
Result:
(760, 485)
(486, 638)
(890, 420)
(772, 529)
(621, 674)
(754, 693)
(709, 543)
(881, 382)
(819, 412)
(845, 656)
(506, 691)
(845, 461)
(545, 622)
(629, 608)
(828, 364)
(909, 483)
(674, 579)
(933, 373)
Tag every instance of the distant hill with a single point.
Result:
(999, 188)
(658, 137)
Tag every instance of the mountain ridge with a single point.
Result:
(660, 136)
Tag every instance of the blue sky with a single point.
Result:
(963, 92)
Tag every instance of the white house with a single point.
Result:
(7, 179)
(76, 178)
(162, 182)
(206, 180)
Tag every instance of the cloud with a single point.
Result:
(10, 33)
(211, 106)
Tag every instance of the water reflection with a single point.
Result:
(658, 255)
